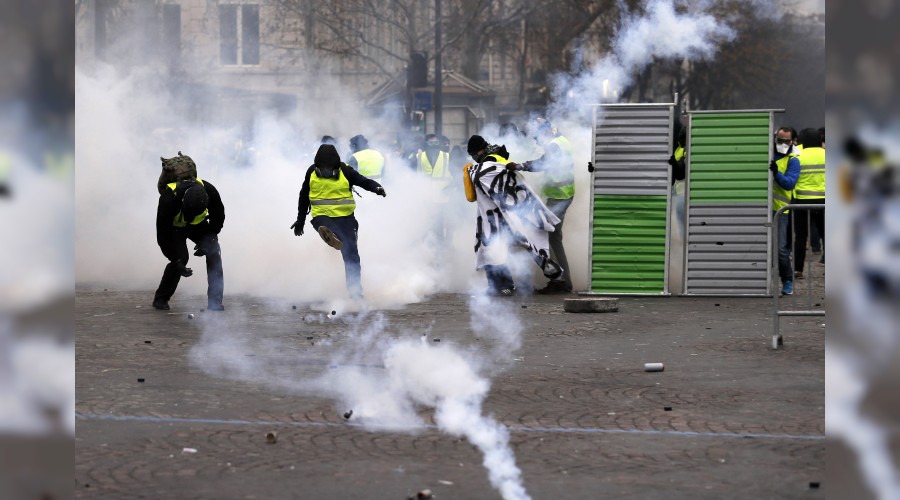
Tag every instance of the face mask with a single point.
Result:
(782, 148)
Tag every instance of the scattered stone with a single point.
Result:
(717, 305)
(334, 313)
(524, 307)
(654, 367)
(141, 380)
(814, 484)
(191, 316)
(348, 414)
(422, 495)
(435, 340)
(294, 307)
(591, 305)
(148, 341)
(667, 408)
(271, 437)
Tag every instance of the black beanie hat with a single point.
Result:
(476, 144)
(195, 201)
(359, 142)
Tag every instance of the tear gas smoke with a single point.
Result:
(118, 162)
(387, 378)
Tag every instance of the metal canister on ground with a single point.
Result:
(654, 367)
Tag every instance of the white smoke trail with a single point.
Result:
(661, 33)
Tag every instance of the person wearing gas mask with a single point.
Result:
(365, 160)
(327, 194)
(434, 161)
(785, 168)
(190, 209)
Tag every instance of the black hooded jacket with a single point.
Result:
(170, 238)
(328, 156)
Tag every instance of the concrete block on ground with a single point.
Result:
(591, 305)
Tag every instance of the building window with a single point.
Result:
(243, 42)
(171, 32)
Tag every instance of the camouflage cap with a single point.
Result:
(179, 167)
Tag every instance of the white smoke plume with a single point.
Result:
(388, 379)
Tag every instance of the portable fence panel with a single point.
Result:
(632, 144)
(728, 204)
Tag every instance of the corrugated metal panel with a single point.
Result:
(631, 147)
(629, 244)
(729, 157)
(728, 248)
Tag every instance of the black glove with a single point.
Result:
(297, 227)
(672, 160)
(380, 191)
(773, 166)
(590, 166)
(198, 251)
(182, 269)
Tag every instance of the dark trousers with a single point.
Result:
(557, 252)
(499, 278)
(215, 279)
(802, 219)
(345, 228)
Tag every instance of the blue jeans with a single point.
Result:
(499, 277)
(785, 267)
(345, 228)
(215, 277)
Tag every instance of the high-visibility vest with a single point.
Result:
(179, 221)
(439, 172)
(811, 183)
(370, 163)
(679, 153)
(330, 197)
(780, 195)
(560, 183)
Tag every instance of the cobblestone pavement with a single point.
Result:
(585, 420)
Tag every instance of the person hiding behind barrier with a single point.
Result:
(327, 195)
(785, 168)
(190, 209)
(510, 215)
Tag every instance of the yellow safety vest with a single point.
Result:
(370, 163)
(179, 219)
(679, 153)
(560, 183)
(439, 172)
(811, 183)
(330, 197)
(780, 195)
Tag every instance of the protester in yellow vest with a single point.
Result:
(366, 161)
(433, 162)
(809, 190)
(785, 168)
(327, 195)
(558, 166)
(190, 209)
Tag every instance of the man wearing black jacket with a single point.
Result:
(327, 194)
(190, 209)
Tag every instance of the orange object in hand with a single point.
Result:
(467, 183)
